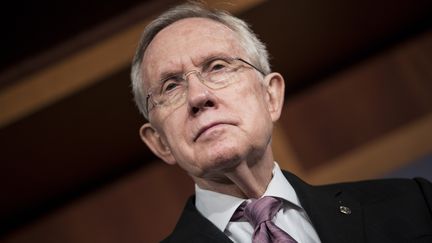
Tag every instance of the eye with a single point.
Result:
(218, 65)
(171, 84)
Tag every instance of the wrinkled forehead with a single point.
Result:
(186, 43)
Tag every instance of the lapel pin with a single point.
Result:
(345, 210)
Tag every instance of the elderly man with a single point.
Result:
(202, 79)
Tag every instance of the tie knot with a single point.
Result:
(263, 209)
(260, 214)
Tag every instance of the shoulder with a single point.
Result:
(390, 187)
(385, 210)
(392, 206)
(417, 190)
(409, 191)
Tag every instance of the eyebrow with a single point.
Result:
(213, 57)
(203, 62)
(165, 75)
(208, 60)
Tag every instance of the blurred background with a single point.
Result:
(73, 169)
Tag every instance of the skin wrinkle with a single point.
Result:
(159, 69)
(234, 157)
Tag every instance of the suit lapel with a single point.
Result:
(335, 216)
(193, 227)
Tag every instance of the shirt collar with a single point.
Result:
(218, 207)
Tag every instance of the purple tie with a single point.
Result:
(260, 214)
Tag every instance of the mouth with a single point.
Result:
(208, 127)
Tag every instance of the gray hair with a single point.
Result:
(248, 40)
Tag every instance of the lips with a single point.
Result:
(205, 128)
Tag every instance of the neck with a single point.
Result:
(246, 180)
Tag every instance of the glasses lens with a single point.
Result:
(216, 74)
(221, 73)
(170, 91)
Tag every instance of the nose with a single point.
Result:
(199, 97)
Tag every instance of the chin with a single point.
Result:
(219, 161)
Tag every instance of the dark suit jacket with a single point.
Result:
(392, 210)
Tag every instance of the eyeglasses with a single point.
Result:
(216, 74)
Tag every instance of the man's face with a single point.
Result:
(213, 130)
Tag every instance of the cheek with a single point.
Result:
(171, 135)
(164, 128)
(254, 106)
(175, 135)
(250, 99)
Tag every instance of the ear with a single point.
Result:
(275, 87)
(156, 143)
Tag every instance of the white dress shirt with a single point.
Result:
(219, 208)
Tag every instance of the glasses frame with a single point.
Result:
(149, 95)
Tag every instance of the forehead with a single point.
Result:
(186, 43)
